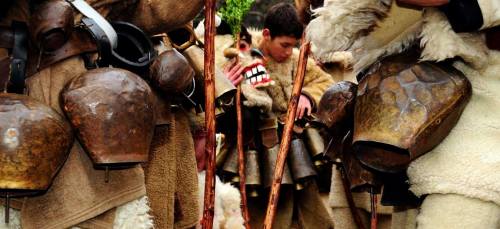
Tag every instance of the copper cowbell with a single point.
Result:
(253, 178)
(302, 168)
(315, 145)
(35, 142)
(113, 113)
(269, 157)
(172, 73)
(230, 167)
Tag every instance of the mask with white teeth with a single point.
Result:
(255, 72)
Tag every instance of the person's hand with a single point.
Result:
(424, 2)
(233, 73)
(304, 107)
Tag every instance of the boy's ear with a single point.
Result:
(266, 34)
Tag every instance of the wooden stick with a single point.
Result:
(373, 200)
(350, 200)
(241, 160)
(209, 73)
(287, 135)
(241, 153)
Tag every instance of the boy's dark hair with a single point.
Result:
(282, 20)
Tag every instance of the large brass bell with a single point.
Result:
(113, 113)
(404, 108)
(300, 163)
(252, 169)
(35, 142)
(315, 145)
(269, 157)
(230, 167)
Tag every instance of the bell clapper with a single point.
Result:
(7, 209)
(299, 186)
(106, 174)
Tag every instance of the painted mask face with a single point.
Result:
(256, 73)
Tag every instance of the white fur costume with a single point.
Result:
(132, 215)
(227, 212)
(461, 176)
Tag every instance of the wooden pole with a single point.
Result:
(241, 160)
(350, 199)
(373, 200)
(241, 153)
(209, 73)
(287, 135)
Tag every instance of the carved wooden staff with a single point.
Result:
(241, 153)
(209, 72)
(287, 135)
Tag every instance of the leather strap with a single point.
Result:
(19, 57)
(102, 41)
(98, 19)
(269, 132)
(80, 42)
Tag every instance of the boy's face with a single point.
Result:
(280, 47)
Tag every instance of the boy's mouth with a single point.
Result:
(257, 75)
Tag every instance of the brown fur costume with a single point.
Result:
(311, 212)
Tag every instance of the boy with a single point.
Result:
(277, 43)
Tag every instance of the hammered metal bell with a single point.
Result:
(223, 153)
(315, 145)
(404, 108)
(252, 169)
(230, 167)
(269, 157)
(35, 142)
(171, 72)
(113, 112)
(300, 163)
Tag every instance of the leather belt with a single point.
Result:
(6, 37)
(13, 69)
(80, 42)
